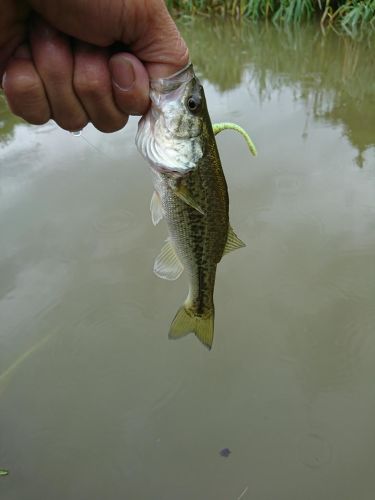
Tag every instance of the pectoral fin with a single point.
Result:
(183, 193)
(219, 127)
(167, 265)
(233, 242)
(156, 209)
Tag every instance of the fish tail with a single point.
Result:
(186, 322)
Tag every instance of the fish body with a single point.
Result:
(177, 138)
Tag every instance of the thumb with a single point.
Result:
(130, 83)
(158, 43)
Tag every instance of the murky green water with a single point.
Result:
(95, 402)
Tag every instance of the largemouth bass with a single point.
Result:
(178, 140)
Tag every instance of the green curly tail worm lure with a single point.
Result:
(219, 127)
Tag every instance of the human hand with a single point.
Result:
(66, 59)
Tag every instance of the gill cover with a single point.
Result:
(169, 134)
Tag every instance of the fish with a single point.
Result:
(177, 138)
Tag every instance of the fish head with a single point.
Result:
(178, 106)
(170, 136)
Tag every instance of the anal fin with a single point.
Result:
(167, 265)
(233, 242)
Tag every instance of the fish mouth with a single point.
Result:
(173, 82)
(159, 139)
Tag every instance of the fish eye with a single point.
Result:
(193, 103)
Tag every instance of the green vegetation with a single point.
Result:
(8, 121)
(333, 75)
(349, 15)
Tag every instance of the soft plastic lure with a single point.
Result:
(219, 127)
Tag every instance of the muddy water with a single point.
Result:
(95, 402)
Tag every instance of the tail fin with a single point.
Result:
(185, 322)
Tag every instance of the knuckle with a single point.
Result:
(86, 87)
(111, 126)
(53, 74)
(35, 115)
(26, 87)
(25, 94)
(40, 119)
(71, 124)
(26, 99)
(182, 53)
(134, 107)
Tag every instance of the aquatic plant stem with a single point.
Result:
(8, 372)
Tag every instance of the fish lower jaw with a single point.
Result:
(174, 173)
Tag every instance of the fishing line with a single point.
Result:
(79, 133)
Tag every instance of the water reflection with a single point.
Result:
(8, 121)
(88, 379)
(333, 75)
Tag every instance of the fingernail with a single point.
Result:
(123, 75)
(3, 80)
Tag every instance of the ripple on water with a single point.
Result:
(279, 233)
(111, 328)
(116, 222)
(303, 295)
(287, 184)
(101, 317)
(28, 309)
(314, 451)
(304, 231)
(291, 221)
(174, 387)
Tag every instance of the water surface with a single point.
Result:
(95, 401)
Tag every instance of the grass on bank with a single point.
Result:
(348, 14)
